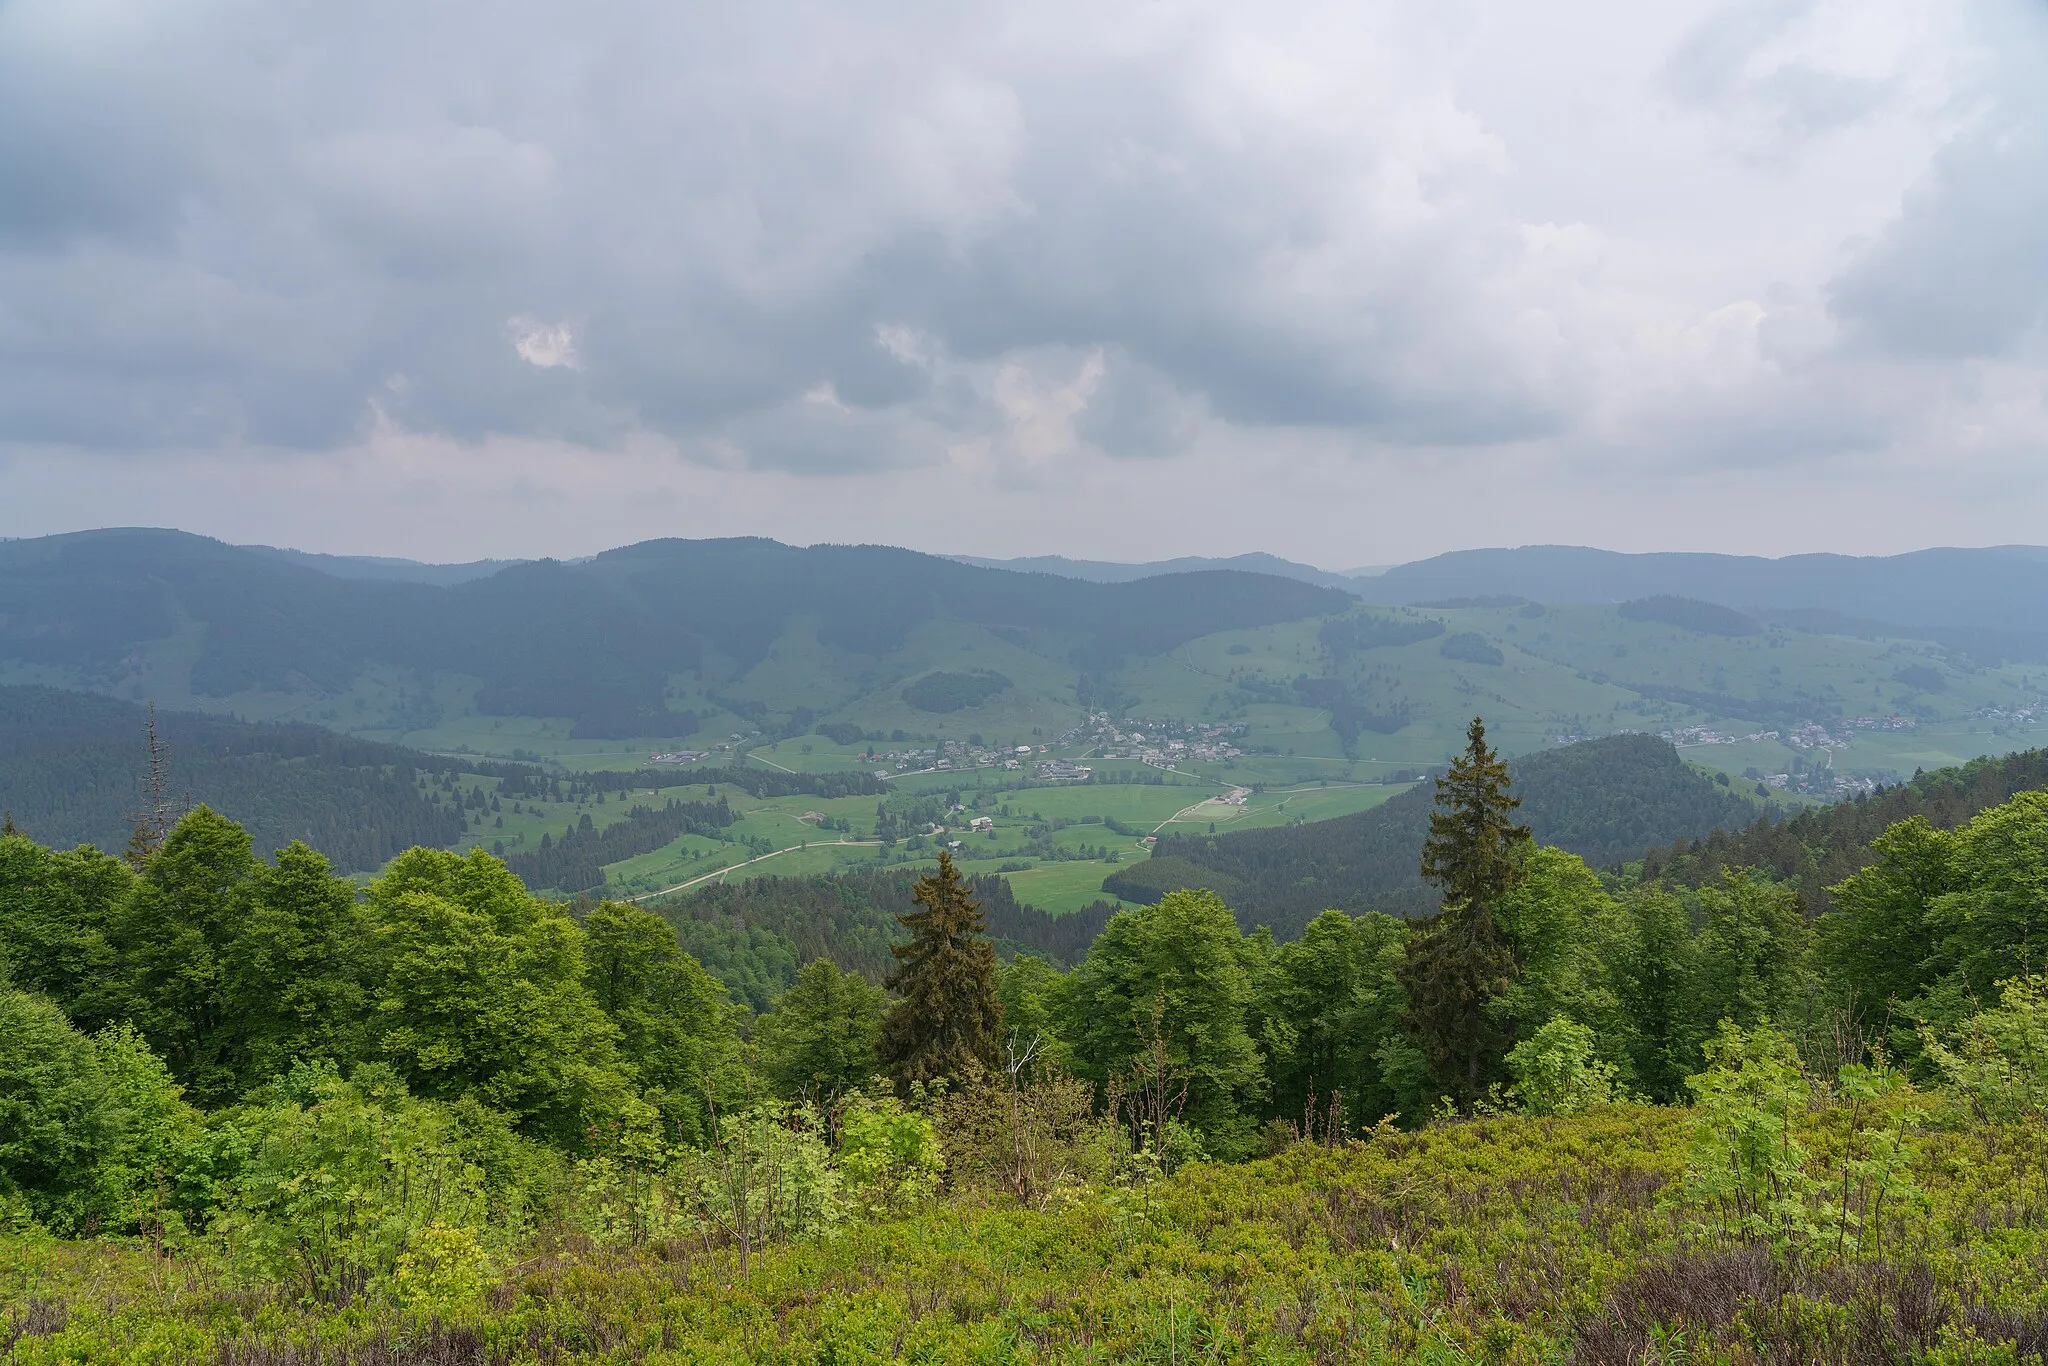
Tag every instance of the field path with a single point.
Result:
(721, 872)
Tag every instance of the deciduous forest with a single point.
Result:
(250, 1112)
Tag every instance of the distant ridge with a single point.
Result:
(1110, 571)
(385, 567)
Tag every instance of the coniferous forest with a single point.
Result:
(252, 1113)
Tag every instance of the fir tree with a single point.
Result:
(949, 1018)
(1460, 963)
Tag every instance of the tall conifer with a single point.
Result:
(1460, 962)
(949, 1017)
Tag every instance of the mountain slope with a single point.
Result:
(72, 771)
(1999, 587)
(1816, 849)
(598, 640)
(1605, 800)
(1111, 571)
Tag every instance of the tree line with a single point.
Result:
(186, 1034)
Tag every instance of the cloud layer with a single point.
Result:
(1175, 278)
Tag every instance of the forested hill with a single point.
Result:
(754, 935)
(1606, 800)
(594, 640)
(73, 766)
(1819, 847)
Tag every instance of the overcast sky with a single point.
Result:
(1353, 282)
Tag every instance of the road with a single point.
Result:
(721, 872)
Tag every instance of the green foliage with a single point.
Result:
(949, 1018)
(1557, 1070)
(675, 1022)
(1998, 1059)
(57, 1116)
(1329, 1020)
(1750, 961)
(1690, 614)
(481, 993)
(1469, 647)
(1460, 966)
(819, 1041)
(889, 1156)
(1162, 1003)
(172, 935)
(342, 1179)
(943, 691)
(1746, 1176)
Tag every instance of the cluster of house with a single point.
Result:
(955, 754)
(1805, 735)
(679, 756)
(1164, 742)
(1063, 771)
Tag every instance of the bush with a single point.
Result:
(1557, 1071)
(1998, 1061)
(888, 1155)
(342, 1179)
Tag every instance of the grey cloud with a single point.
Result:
(728, 203)
(1963, 271)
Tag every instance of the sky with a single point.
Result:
(1353, 283)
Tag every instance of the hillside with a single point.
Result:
(2002, 589)
(754, 935)
(1816, 849)
(73, 767)
(1604, 800)
(601, 642)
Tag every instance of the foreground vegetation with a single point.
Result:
(1511, 1239)
(249, 1113)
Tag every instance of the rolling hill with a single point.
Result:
(73, 771)
(1606, 800)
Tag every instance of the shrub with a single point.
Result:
(888, 1155)
(1998, 1060)
(1557, 1071)
(1745, 1173)
(342, 1177)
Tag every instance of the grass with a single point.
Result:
(1511, 1240)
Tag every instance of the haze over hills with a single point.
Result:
(1111, 571)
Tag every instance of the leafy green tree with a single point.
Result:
(56, 1116)
(1750, 960)
(292, 971)
(674, 1019)
(1035, 1011)
(193, 894)
(949, 1018)
(1558, 1070)
(1461, 963)
(1994, 923)
(56, 910)
(478, 991)
(1653, 980)
(819, 1040)
(1334, 1000)
(1176, 979)
(1568, 938)
(1877, 942)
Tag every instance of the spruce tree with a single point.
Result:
(1460, 962)
(949, 1018)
